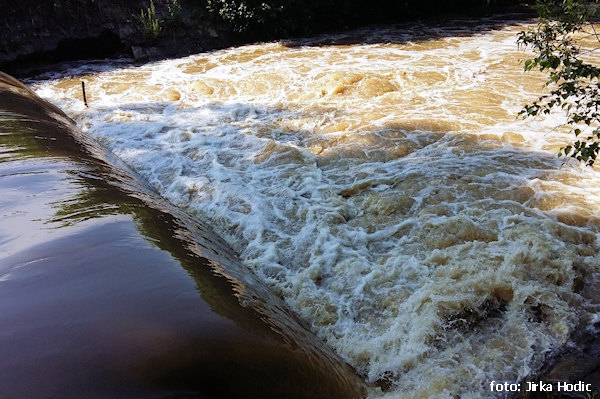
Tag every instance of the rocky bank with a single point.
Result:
(33, 32)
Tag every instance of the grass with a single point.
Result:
(149, 23)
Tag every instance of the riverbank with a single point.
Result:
(38, 33)
(35, 33)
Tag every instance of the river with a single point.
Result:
(380, 182)
(107, 290)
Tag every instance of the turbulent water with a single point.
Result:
(380, 182)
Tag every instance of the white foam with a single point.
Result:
(385, 190)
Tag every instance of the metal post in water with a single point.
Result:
(84, 97)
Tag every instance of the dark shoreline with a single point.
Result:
(36, 36)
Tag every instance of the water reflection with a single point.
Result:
(109, 291)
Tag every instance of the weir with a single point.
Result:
(107, 290)
(379, 181)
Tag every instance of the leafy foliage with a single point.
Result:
(562, 39)
(292, 17)
(174, 15)
(242, 15)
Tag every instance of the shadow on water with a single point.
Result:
(446, 181)
(415, 31)
(94, 302)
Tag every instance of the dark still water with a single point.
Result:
(107, 291)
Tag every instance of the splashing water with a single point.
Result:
(379, 181)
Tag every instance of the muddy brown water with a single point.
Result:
(380, 182)
(108, 291)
